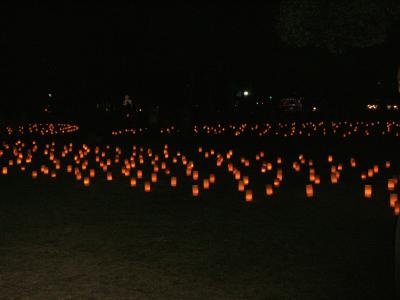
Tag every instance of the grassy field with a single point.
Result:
(61, 240)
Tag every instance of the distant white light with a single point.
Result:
(314, 108)
(372, 106)
(50, 95)
(246, 93)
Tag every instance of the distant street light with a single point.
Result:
(246, 93)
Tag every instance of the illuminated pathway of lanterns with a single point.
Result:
(256, 176)
(343, 129)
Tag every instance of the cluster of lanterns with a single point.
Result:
(42, 129)
(145, 167)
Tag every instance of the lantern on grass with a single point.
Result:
(397, 209)
(139, 174)
(249, 196)
(195, 190)
(154, 177)
(237, 175)
(173, 181)
(393, 199)
(34, 174)
(195, 175)
(92, 173)
(334, 178)
(387, 164)
(4, 170)
(368, 191)
(109, 176)
(86, 181)
(353, 163)
(206, 183)
(391, 184)
(212, 178)
(277, 182)
(376, 169)
(147, 187)
(363, 176)
(241, 186)
(53, 174)
(133, 182)
(330, 158)
(279, 174)
(309, 191)
(269, 190)
(370, 173)
(317, 179)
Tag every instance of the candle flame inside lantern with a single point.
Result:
(368, 191)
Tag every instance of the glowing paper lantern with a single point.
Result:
(154, 177)
(147, 187)
(330, 158)
(376, 169)
(391, 184)
(241, 186)
(277, 182)
(212, 178)
(4, 171)
(109, 176)
(269, 190)
(92, 173)
(368, 191)
(34, 174)
(393, 199)
(370, 173)
(139, 174)
(173, 181)
(387, 164)
(195, 190)
(206, 184)
(363, 176)
(334, 178)
(195, 175)
(309, 190)
(133, 182)
(249, 196)
(86, 181)
(317, 179)
(246, 180)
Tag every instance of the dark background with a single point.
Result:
(174, 54)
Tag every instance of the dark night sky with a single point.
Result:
(152, 52)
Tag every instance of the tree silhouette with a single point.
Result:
(336, 25)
